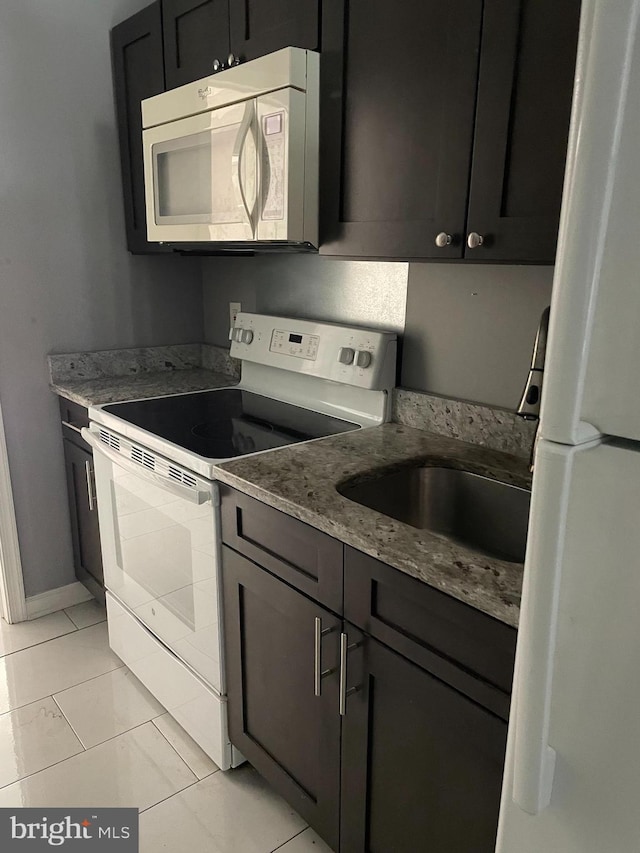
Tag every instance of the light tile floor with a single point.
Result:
(78, 729)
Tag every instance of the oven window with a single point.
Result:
(165, 567)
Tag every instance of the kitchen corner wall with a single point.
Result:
(469, 330)
(67, 282)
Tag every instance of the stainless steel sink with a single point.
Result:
(485, 515)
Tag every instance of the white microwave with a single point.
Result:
(232, 159)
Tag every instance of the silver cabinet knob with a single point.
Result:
(346, 355)
(363, 358)
(232, 60)
(474, 240)
(217, 65)
(443, 239)
(246, 336)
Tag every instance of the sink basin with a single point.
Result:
(483, 514)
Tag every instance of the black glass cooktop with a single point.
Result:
(226, 423)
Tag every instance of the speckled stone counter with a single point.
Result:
(499, 429)
(301, 480)
(94, 378)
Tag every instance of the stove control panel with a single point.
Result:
(365, 358)
(296, 344)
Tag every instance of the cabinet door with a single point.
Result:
(138, 73)
(525, 88)
(85, 532)
(290, 735)
(398, 97)
(195, 33)
(421, 764)
(262, 26)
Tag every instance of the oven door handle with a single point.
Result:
(195, 496)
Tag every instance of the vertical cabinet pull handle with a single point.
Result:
(345, 648)
(344, 640)
(88, 470)
(318, 673)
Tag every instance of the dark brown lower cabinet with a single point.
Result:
(81, 494)
(290, 735)
(85, 531)
(414, 763)
(421, 763)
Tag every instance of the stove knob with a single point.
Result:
(246, 336)
(237, 335)
(346, 355)
(363, 358)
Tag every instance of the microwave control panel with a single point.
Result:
(295, 344)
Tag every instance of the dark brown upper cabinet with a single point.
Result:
(138, 73)
(527, 68)
(196, 32)
(445, 121)
(398, 100)
(173, 42)
(259, 27)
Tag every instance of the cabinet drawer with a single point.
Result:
(423, 624)
(302, 556)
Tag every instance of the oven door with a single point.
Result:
(201, 176)
(159, 526)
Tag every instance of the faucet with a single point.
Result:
(529, 407)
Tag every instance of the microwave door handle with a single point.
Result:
(236, 164)
(194, 496)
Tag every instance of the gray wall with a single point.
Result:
(308, 286)
(67, 282)
(470, 329)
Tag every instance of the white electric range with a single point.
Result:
(158, 502)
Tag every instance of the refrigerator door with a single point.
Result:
(593, 357)
(572, 774)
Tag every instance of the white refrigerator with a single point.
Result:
(572, 776)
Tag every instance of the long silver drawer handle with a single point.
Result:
(72, 426)
(318, 673)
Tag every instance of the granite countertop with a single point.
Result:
(110, 376)
(111, 389)
(301, 480)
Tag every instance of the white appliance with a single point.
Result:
(233, 158)
(158, 503)
(572, 780)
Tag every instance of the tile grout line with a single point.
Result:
(55, 763)
(280, 846)
(64, 689)
(69, 723)
(85, 751)
(217, 770)
(73, 630)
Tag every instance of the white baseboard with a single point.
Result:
(56, 599)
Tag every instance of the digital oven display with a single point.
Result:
(295, 339)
